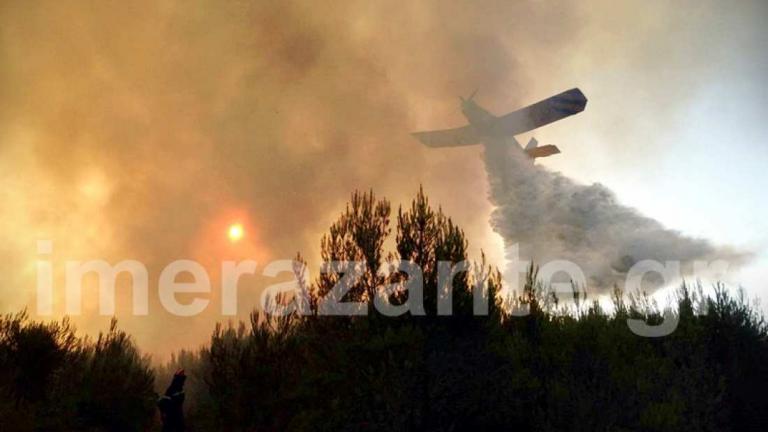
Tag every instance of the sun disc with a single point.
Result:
(235, 232)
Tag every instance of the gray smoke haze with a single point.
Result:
(140, 130)
(551, 217)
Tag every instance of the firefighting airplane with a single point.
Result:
(485, 127)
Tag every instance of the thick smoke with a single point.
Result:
(551, 217)
(139, 130)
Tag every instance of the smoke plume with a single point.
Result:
(141, 130)
(551, 217)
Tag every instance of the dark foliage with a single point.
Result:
(570, 367)
(561, 366)
(52, 380)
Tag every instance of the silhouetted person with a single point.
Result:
(171, 404)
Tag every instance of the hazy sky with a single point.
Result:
(142, 131)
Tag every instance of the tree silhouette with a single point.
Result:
(561, 365)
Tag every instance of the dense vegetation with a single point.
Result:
(561, 366)
(50, 379)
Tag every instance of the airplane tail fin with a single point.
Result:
(532, 144)
(534, 152)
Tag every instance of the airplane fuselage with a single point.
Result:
(488, 129)
(484, 123)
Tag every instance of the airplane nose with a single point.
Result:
(572, 101)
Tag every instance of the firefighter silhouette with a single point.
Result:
(171, 404)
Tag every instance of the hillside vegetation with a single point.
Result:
(561, 366)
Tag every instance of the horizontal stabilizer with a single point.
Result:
(543, 151)
(462, 136)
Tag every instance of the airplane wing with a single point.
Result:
(541, 113)
(462, 136)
